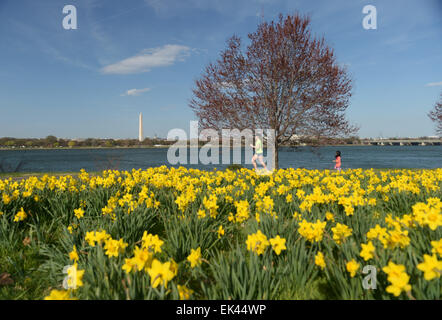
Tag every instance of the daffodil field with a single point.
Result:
(176, 233)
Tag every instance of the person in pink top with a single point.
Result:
(338, 160)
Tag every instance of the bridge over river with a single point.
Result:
(404, 142)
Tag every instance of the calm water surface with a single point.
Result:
(72, 160)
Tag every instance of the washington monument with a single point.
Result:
(140, 128)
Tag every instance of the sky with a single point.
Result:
(127, 57)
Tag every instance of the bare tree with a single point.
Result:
(287, 80)
(436, 115)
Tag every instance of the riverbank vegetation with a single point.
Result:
(52, 142)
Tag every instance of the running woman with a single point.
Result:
(258, 152)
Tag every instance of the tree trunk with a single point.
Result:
(276, 155)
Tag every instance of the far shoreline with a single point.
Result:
(231, 147)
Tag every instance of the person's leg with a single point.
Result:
(254, 160)
(261, 160)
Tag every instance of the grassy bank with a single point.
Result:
(25, 175)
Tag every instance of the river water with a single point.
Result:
(72, 160)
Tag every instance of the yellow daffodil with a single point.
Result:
(257, 242)
(352, 267)
(341, 232)
(79, 213)
(75, 276)
(431, 267)
(437, 247)
(220, 231)
(367, 251)
(184, 292)
(114, 247)
(151, 242)
(195, 257)
(73, 255)
(278, 244)
(397, 277)
(160, 273)
(319, 260)
(59, 295)
(20, 216)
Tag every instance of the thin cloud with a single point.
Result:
(41, 43)
(434, 84)
(135, 92)
(148, 59)
(231, 7)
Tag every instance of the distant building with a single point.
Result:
(140, 128)
(295, 137)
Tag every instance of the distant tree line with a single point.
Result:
(324, 141)
(54, 142)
